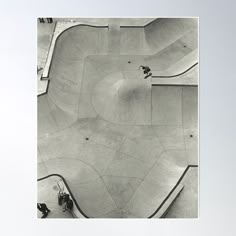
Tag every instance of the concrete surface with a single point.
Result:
(170, 201)
(186, 206)
(120, 143)
(45, 35)
(47, 193)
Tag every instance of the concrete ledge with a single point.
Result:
(42, 84)
(187, 77)
(164, 209)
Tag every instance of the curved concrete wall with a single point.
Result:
(164, 31)
(71, 49)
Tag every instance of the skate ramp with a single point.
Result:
(163, 32)
(188, 77)
(121, 144)
(74, 45)
(123, 101)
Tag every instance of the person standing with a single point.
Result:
(44, 209)
(68, 205)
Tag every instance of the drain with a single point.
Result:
(129, 62)
(190, 135)
(87, 139)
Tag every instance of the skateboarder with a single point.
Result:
(146, 71)
(43, 208)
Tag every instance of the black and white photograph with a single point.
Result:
(117, 103)
(127, 128)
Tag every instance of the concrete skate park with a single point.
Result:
(122, 146)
